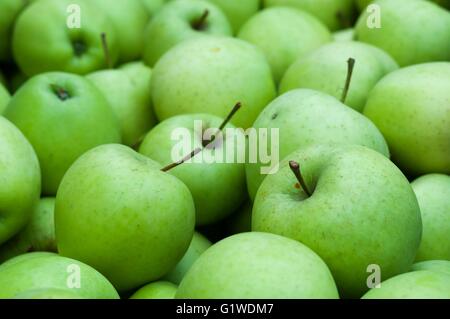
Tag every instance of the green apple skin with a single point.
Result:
(218, 189)
(9, 10)
(128, 92)
(413, 285)
(359, 201)
(44, 271)
(344, 35)
(325, 70)
(334, 14)
(37, 235)
(284, 34)
(175, 24)
(153, 6)
(129, 18)
(433, 193)
(60, 130)
(4, 98)
(198, 246)
(51, 47)
(135, 221)
(156, 290)
(305, 117)
(362, 4)
(48, 293)
(258, 266)
(404, 105)
(240, 221)
(433, 265)
(210, 75)
(21, 180)
(238, 11)
(422, 37)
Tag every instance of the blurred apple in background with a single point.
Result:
(413, 285)
(348, 210)
(45, 270)
(53, 46)
(156, 290)
(411, 107)
(62, 115)
(284, 34)
(344, 35)
(180, 20)
(334, 14)
(127, 90)
(37, 235)
(258, 266)
(198, 246)
(4, 98)
(238, 11)
(9, 11)
(129, 18)
(411, 32)
(325, 70)
(20, 178)
(208, 75)
(305, 117)
(135, 224)
(433, 194)
(218, 188)
(153, 6)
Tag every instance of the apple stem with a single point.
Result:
(236, 108)
(106, 50)
(200, 23)
(350, 66)
(295, 168)
(183, 160)
(60, 92)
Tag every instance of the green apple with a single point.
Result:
(240, 221)
(129, 18)
(4, 98)
(405, 105)
(433, 265)
(304, 117)
(20, 178)
(198, 246)
(54, 46)
(344, 35)
(238, 11)
(51, 271)
(208, 74)
(38, 235)
(156, 290)
(433, 194)
(334, 14)
(153, 6)
(63, 115)
(413, 285)
(128, 92)
(258, 266)
(180, 20)
(9, 10)
(48, 293)
(358, 202)
(411, 32)
(24, 257)
(325, 70)
(2, 79)
(134, 221)
(284, 34)
(218, 187)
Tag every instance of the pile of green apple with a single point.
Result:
(93, 204)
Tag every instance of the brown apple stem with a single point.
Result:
(183, 160)
(236, 108)
(60, 92)
(200, 23)
(295, 168)
(106, 51)
(351, 64)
